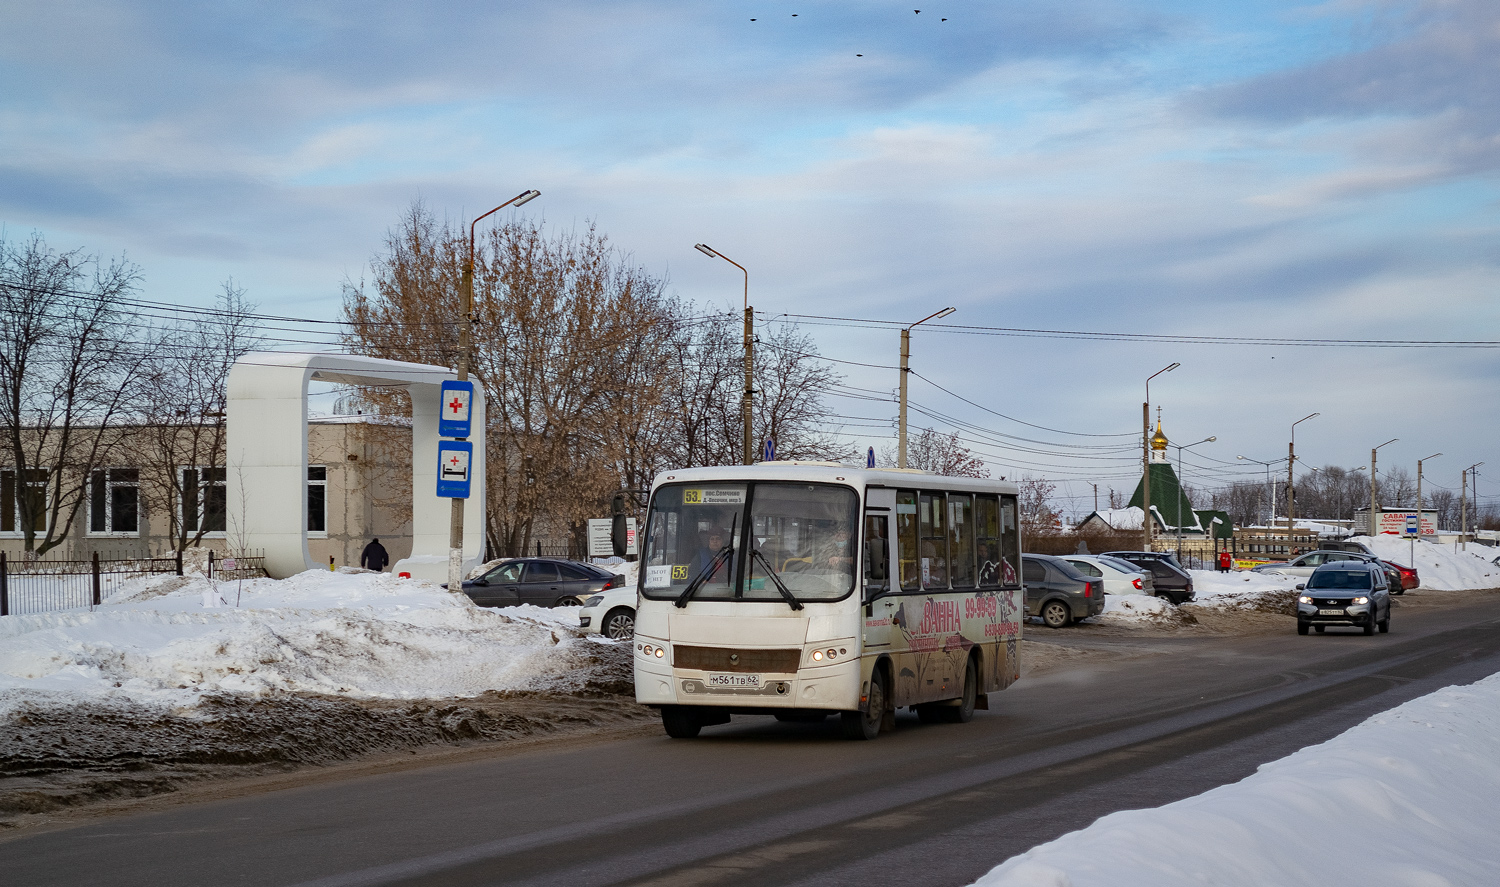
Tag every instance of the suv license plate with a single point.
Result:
(735, 681)
(1330, 612)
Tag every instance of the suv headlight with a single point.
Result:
(1304, 599)
(594, 601)
(1361, 600)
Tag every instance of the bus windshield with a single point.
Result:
(800, 538)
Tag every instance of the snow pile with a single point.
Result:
(1407, 797)
(1129, 608)
(1441, 567)
(351, 633)
(1212, 587)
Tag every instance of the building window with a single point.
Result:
(12, 519)
(114, 502)
(203, 500)
(317, 500)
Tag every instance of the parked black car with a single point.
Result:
(1057, 592)
(1173, 582)
(1353, 593)
(543, 581)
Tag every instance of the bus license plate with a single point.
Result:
(1330, 612)
(735, 681)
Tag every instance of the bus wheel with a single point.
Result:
(680, 722)
(866, 724)
(964, 711)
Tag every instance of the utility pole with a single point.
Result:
(905, 358)
(465, 352)
(1463, 510)
(748, 397)
(1419, 490)
(1096, 495)
(1472, 470)
(1291, 494)
(1146, 458)
(1374, 526)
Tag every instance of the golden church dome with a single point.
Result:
(1158, 440)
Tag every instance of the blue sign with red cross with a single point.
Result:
(454, 458)
(455, 417)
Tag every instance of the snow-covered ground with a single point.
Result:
(1407, 797)
(1441, 567)
(170, 640)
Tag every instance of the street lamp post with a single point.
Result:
(465, 352)
(1463, 504)
(747, 397)
(1419, 490)
(1180, 493)
(1291, 494)
(1271, 500)
(1146, 459)
(905, 358)
(1374, 526)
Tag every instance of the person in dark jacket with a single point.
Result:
(374, 557)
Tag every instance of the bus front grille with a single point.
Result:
(727, 659)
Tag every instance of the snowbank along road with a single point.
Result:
(1123, 720)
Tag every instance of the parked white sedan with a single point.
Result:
(1120, 576)
(610, 613)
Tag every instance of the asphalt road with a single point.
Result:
(1134, 722)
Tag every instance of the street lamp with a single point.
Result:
(1291, 494)
(1419, 490)
(1180, 493)
(1463, 504)
(1374, 505)
(1146, 459)
(745, 399)
(1271, 515)
(905, 358)
(465, 351)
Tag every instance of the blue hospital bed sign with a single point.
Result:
(453, 478)
(454, 418)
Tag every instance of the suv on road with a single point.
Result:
(1355, 593)
(1173, 582)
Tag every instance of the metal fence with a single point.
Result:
(42, 585)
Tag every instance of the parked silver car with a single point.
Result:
(1120, 576)
(1353, 593)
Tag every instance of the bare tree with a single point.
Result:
(180, 446)
(1038, 517)
(569, 345)
(1445, 504)
(68, 371)
(939, 453)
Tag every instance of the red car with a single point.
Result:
(1409, 577)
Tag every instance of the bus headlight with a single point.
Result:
(817, 656)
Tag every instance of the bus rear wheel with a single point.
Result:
(964, 711)
(680, 722)
(866, 724)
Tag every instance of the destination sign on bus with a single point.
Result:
(711, 496)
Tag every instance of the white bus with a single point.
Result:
(800, 589)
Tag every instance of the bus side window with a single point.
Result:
(1010, 542)
(877, 554)
(987, 535)
(906, 540)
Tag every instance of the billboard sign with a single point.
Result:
(600, 544)
(1404, 522)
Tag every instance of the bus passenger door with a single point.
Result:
(880, 605)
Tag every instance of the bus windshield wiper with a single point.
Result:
(771, 572)
(703, 575)
(709, 568)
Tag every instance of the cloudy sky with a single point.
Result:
(1267, 169)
